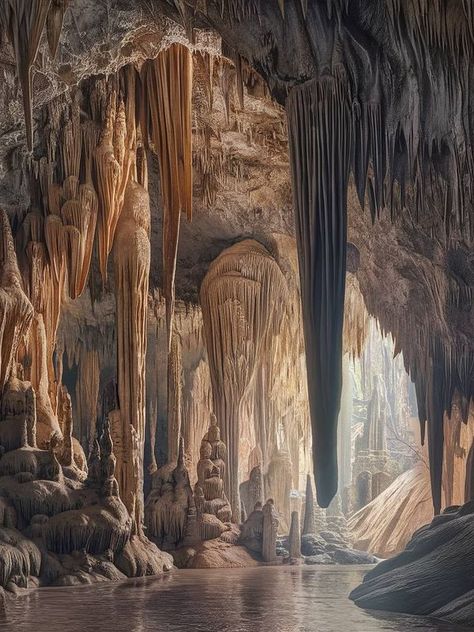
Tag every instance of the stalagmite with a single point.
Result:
(319, 126)
(65, 415)
(132, 266)
(251, 491)
(237, 298)
(295, 536)
(170, 511)
(167, 84)
(270, 530)
(308, 522)
(210, 470)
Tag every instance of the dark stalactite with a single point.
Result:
(320, 135)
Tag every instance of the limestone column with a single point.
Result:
(132, 267)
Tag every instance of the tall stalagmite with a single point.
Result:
(319, 126)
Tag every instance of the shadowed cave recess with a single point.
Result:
(236, 294)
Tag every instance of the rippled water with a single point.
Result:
(269, 599)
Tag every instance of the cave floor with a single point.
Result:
(268, 599)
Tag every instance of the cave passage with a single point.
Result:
(236, 314)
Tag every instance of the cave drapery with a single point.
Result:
(238, 298)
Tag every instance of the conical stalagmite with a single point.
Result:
(294, 538)
(270, 530)
(308, 522)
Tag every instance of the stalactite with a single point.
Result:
(54, 24)
(24, 21)
(320, 170)
(132, 266)
(237, 297)
(167, 84)
(356, 318)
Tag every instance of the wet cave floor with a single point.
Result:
(268, 599)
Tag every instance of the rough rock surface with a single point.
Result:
(432, 576)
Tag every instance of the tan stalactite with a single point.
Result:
(167, 83)
(16, 311)
(132, 266)
(54, 24)
(115, 157)
(238, 298)
(109, 173)
(356, 318)
(24, 21)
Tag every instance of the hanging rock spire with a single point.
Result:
(320, 135)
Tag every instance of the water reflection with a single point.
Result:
(289, 599)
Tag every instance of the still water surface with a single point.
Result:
(269, 599)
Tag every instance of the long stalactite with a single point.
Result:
(166, 119)
(320, 135)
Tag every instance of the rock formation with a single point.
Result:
(295, 536)
(57, 526)
(211, 469)
(324, 152)
(269, 531)
(170, 511)
(132, 265)
(308, 522)
(237, 295)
